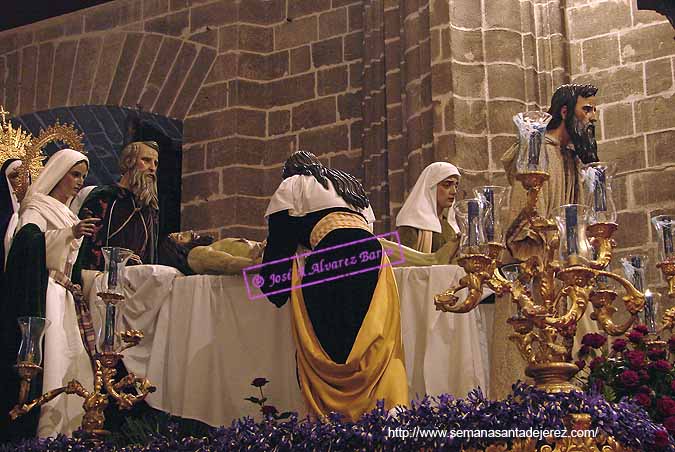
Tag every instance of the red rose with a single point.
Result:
(661, 438)
(641, 329)
(643, 399)
(645, 389)
(259, 382)
(580, 364)
(656, 354)
(666, 406)
(669, 424)
(662, 365)
(671, 344)
(635, 358)
(644, 375)
(594, 340)
(629, 378)
(269, 410)
(584, 350)
(635, 337)
(619, 345)
(595, 362)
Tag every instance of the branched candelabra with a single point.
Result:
(553, 288)
(110, 344)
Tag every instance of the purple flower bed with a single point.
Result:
(525, 408)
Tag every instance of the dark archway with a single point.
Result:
(106, 130)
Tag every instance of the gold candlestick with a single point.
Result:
(560, 295)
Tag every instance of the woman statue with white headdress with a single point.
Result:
(47, 243)
(426, 222)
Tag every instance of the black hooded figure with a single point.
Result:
(335, 325)
(345, 310)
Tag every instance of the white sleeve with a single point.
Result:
(284, 197)
(58, 242)
(370, 216)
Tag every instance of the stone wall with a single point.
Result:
(287, 77)
(630, 56)
(254, 80)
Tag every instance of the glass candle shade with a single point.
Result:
(649, 314)
(665, 228)
(115, 261)
(470, 214)
(634, 267)
(108, 339)
(32, 331)
(512, 272)
(494, 197)
(598, 192)
(575, 249)
(531, 127)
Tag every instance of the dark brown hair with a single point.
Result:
(347, 186)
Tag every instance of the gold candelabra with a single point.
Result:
(551, 295)
(104, 365)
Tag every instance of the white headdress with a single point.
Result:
(419, 209)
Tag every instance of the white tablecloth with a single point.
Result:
(205, 341)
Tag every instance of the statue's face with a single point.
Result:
(581, 129)
(184, 238)
(585, 110)
(446, 190)
(147, 160)
(13, 177)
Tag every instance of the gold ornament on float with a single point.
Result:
(16, 143)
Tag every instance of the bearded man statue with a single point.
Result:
(129, 210)
(569, 143)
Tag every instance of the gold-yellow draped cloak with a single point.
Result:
(375, 366)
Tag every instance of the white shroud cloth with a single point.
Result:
(205, 341)
(65, 357)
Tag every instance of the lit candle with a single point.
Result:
(112, 268)
(638, 279)
(600, 192)
(489, 195)
(667, 239)
(472, 220)
(650, 317)
(533, 149)
(571, 229)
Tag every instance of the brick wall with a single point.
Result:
(630, 56)
(252, 80)
(284, 80)
(491, 60)
(255, 80)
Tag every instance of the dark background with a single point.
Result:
(15, 13)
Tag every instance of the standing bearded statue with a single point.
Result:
(569, 143)
(129, 210)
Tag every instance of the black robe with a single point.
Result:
(24, 295)
(336, 308)
(139, 234)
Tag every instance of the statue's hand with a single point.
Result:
(135, 260)
(257, 251)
